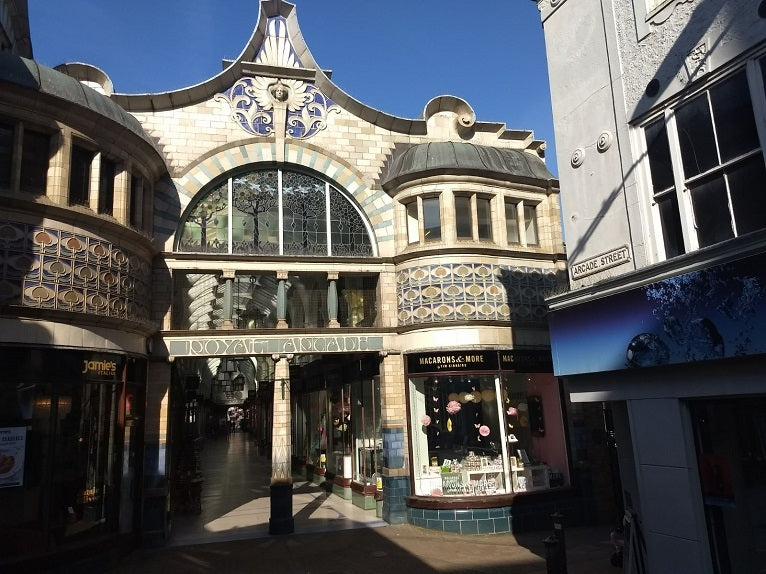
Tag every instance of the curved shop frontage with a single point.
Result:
(71, 448)
(489, 449)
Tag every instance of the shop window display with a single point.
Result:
(459, 447)
(486, 434)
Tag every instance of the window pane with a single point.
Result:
(412, 222)
(106, 186)
(695, 134)
(206, 227)
(307, 300)
(79, 176)
(711, 211)
(512, 222)
(747, 194)
(34, 162)
(256, 213)
(6, 154)
(484, 218)
(670, 219)
(734, 120)
(304, 215)
(530, 224)
(347, 230)
(254, 301)
(357, 300)
(432, 219)
(658, 151)
(463, 219)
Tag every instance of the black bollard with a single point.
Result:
(554, 556)
(558, 532)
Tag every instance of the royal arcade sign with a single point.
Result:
(239, 346)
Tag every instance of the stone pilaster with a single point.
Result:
(281, 520)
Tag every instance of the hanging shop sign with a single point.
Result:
(13, 442)
(452, 361)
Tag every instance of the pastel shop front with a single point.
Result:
(487, 432)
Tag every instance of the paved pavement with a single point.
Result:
(332, 536)
(371, 550)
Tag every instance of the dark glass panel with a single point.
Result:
(432, 219)
(746, 187)
(79, 176)
(463, 220)
(6, 154)
(695, 135)
(106, 186)
(734, 120)
(34, 162)
(658, 150)
(711, 211)
(670, 219)
(484, 218)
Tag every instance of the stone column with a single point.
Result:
(281, 520)
(228, 303)
(282, 300)
(332, 299)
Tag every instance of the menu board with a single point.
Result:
(13, 442)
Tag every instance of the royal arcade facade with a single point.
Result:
(365, 293)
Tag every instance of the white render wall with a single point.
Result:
(601, 56)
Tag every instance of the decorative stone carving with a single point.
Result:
(578, 157)
(604, 141)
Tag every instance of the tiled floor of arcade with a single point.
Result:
(236, 498)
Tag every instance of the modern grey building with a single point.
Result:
(659, 121)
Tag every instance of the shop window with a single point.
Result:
(34, 162)
(707, 146)
(432, 226)
(479, 434)
(79, 176)
(273, 212)
(106, 186)
(367, 430)
(457, 436)
(730, 437)
(6, 155)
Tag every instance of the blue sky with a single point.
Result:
(394, 56)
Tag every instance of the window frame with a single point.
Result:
(475, 221)
(683, 185)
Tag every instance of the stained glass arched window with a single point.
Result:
(275, 212)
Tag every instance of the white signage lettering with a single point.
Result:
(600, 262)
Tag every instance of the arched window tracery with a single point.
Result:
(275, 212)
